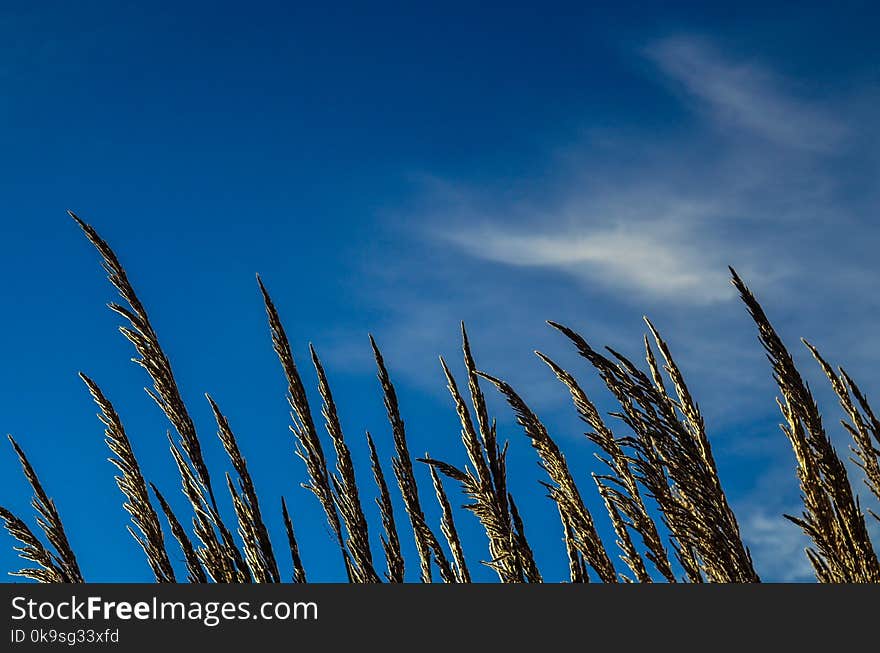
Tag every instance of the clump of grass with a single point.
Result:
(659, 482)
(619, 489)
(563, 489)
(56, 564)
(222, 557)
(832, 517)
(510, 555)
(673, 460)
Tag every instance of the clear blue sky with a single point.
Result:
(392, 168)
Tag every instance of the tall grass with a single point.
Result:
(658, 480)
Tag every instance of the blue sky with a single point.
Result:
(395, 169)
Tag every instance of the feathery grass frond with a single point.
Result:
(309, 448)
(152, 357)
(133, 486)
(195, 571)
(447, 527)
(490, 502)
(577, 568)
(65, 568)
(50, 569)
(564, 491)
(524, 550)
(345, 484)
(217, 557)
(251, 526)
(614, 498)
(299, 572)
(390, 540)
(862, 425)
(426, 541)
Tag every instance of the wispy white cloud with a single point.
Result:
(746, 95)
(777, 546)
(647, 259)
(660, 220)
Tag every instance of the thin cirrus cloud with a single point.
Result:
(776, 545)
(665, 224)
(636, 258)
(746, 95)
